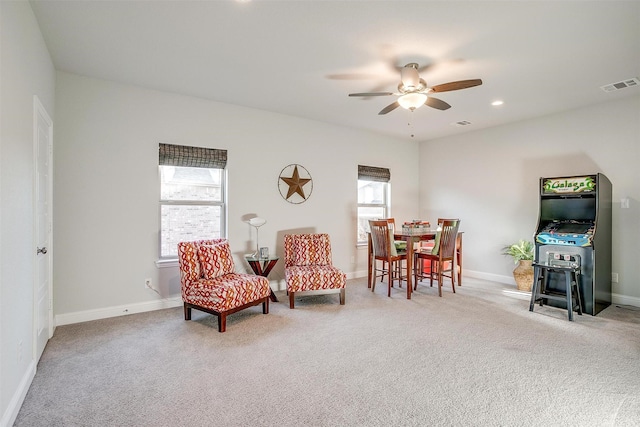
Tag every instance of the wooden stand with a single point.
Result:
(262, 267)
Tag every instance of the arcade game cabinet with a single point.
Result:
(574, 228)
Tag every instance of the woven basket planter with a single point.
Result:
(523, 274)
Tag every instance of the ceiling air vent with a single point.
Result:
(462, 123)
(620, 85)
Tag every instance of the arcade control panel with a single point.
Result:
(569, 233)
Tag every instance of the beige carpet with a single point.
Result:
(474, 358)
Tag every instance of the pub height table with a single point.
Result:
(412, 237)
(262, 267)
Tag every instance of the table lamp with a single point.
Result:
(257, 222)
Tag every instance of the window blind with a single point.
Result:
(372, 173)
(193, 157)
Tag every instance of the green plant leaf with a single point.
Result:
(523, 250)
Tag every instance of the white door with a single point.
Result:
(43, 149)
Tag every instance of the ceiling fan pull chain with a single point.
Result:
(410, 122)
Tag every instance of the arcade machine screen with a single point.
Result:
(578, 209)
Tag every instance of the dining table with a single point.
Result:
(412, 237)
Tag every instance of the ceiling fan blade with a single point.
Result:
(371, 94)
(437, 103)
(389, 108)
(462, 84)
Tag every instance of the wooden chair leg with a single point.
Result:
(390, 282)
(291, 299)
(439, 280)
(342, 295)
(187, 312)
(431, 273)
(453, 283)
(459, 267)
(373, 282)
(265, 306)
(222, 322)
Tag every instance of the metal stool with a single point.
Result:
(539, 293)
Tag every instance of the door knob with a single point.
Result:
(41, 251)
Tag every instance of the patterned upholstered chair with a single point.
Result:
(210, 284)
(308, 266)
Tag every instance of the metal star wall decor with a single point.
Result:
(294, 179)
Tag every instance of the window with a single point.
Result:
(192, 195)
(373, 197)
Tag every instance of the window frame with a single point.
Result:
(192, 157)
(385, 205)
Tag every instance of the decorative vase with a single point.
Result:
(523, 274)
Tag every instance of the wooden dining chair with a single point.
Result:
(450, 268)
(385, 250)
(384, 269)
(443, 251)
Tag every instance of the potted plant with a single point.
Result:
(522, 254)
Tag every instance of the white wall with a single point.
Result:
(26, 70)
(489, 178)
(106, 186)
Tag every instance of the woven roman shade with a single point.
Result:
(372, 173)
(193, 157)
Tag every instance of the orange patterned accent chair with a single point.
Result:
(308, 266)
(210, 284)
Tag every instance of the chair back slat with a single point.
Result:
(380, 238)
(391, 222)
(448, 237)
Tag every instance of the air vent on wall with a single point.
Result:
(462, 123)
(620, 85)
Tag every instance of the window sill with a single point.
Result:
(167, 263)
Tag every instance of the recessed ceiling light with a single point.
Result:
(497, 103)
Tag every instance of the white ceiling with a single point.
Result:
(302, 58)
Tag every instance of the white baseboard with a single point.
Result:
(356, 274)
(467, 273)
(103, 313)
(122, 310)
(615, 298)
(625, 300)
(507, 280)
(10, 415)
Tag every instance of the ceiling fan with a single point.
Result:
(413, 91)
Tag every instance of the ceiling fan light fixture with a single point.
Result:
(411, 101)
(413, 91)
(409, 76)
